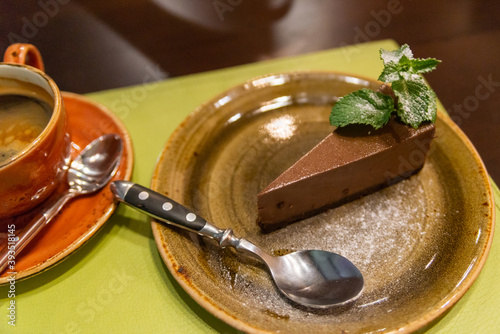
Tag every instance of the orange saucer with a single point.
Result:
(81, 218)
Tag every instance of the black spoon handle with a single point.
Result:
(157, 205)
(171, 212)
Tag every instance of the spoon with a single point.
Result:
(91, 170)
(312, 278)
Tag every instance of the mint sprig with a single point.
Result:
(416, 101)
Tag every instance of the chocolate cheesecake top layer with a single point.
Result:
(350, 162)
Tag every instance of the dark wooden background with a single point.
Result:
(91, 45)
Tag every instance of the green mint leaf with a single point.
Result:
(416, 101)
(423, 65)
(395, 56)
(363, 106)
(398, 65)
(390, 73)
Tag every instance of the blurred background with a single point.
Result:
(91, 45)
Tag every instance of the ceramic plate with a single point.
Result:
(420, 243)
(81, 218)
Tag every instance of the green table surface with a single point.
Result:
(117, 282)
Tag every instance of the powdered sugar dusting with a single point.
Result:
(385, 226)
(380, 233)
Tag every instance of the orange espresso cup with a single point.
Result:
(31, 168)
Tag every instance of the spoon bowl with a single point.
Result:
(312, 278)
(96, 165)
(316, 278)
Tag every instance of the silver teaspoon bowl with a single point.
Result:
(312, 278)
(89, 172)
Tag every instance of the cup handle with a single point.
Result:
(26, 54)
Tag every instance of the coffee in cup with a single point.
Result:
(34, 142)
(22, 117)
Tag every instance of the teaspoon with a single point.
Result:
(312, 278)
(89, 172)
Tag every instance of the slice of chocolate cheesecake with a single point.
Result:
(350, 162)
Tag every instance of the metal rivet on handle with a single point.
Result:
(167, 206)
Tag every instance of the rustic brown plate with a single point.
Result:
(81, 218)
(420, 243)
